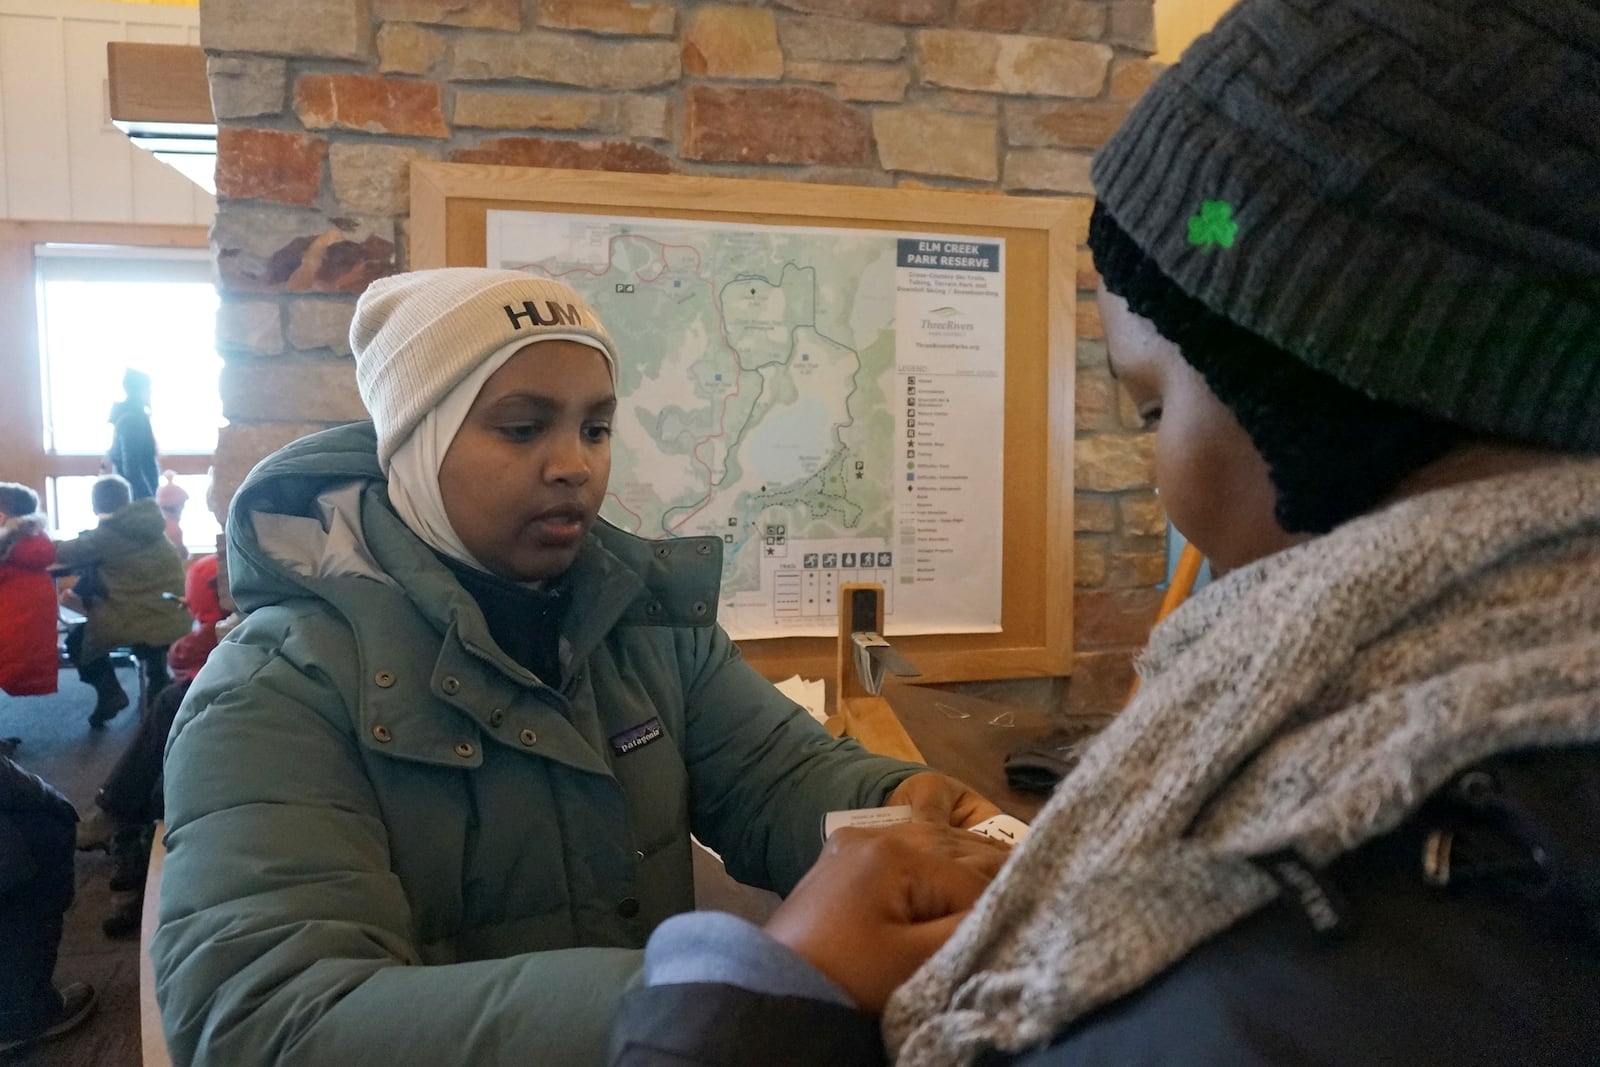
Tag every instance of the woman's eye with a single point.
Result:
(597, 432)
(520, 431)
(1149, 417)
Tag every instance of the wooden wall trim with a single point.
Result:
(158, 83)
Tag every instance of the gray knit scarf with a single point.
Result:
(1309, 701)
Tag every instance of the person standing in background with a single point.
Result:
(133, 442)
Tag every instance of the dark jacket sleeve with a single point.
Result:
(706, 1025)
(1498, 966)
(25, 799)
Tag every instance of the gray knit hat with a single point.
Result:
(416, 335)
(1403, 194)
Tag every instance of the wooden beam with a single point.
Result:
(158, 83)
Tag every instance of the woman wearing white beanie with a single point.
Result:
(429, 800)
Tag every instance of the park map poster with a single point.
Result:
(827, 402)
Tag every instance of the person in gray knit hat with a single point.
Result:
(429, 799)
(1350, 254)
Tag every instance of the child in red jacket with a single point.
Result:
(28, 658)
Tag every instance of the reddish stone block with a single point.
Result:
(333, 263)
(1095, 400)
(1090, 513)
(905, 12)
(1131, 77)
(1089, 562)
(732, 42)
(1003, 16)
(570, 155)
(1108, 617)
(1064, 125)
(741, 126)
(373, 104)
(344, 259)
(1137, 569)
(608, 16)
(269, 165)
(476, 14)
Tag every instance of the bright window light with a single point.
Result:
(103, 310)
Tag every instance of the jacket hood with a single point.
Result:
(17, 530)
(289, 483)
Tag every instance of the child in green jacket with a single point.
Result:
(130, 579)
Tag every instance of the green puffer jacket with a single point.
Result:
(136, 565)
(390, 844)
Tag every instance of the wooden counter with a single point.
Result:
(963, 736)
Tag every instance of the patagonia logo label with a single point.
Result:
(1304, 885)
(552, 314)
(635, 737)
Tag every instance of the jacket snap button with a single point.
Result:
(628, 907)
(384, 679)
(652, 610)
(699, 607)
(464, 750)
(382, 733)
(527, 737)
(451, 684)
(638, 855)
(497, 716)
(704, 550)
(663, 551)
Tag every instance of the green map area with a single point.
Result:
(754, 376)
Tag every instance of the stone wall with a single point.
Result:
(323, 104)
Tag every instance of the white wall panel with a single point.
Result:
(101, 174)
(60, 157)
(33, 69)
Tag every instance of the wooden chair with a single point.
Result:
(152, 1039)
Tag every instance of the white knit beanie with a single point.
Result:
(416, 335)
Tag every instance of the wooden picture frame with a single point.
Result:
(449, 205)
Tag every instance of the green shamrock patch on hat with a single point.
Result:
(1214, 226)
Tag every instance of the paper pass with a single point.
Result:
(865, 818)
(1000, 828)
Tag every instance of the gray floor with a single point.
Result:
(58, 746)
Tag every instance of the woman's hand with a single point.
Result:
(943, 801)
(880, 902)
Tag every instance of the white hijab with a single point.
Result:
(414, 468)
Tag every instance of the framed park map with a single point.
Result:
(840, 384)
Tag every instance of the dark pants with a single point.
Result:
(99, 672)
(30, 924)
(132, 793)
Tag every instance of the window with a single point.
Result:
(80, 302)
(104, 309)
